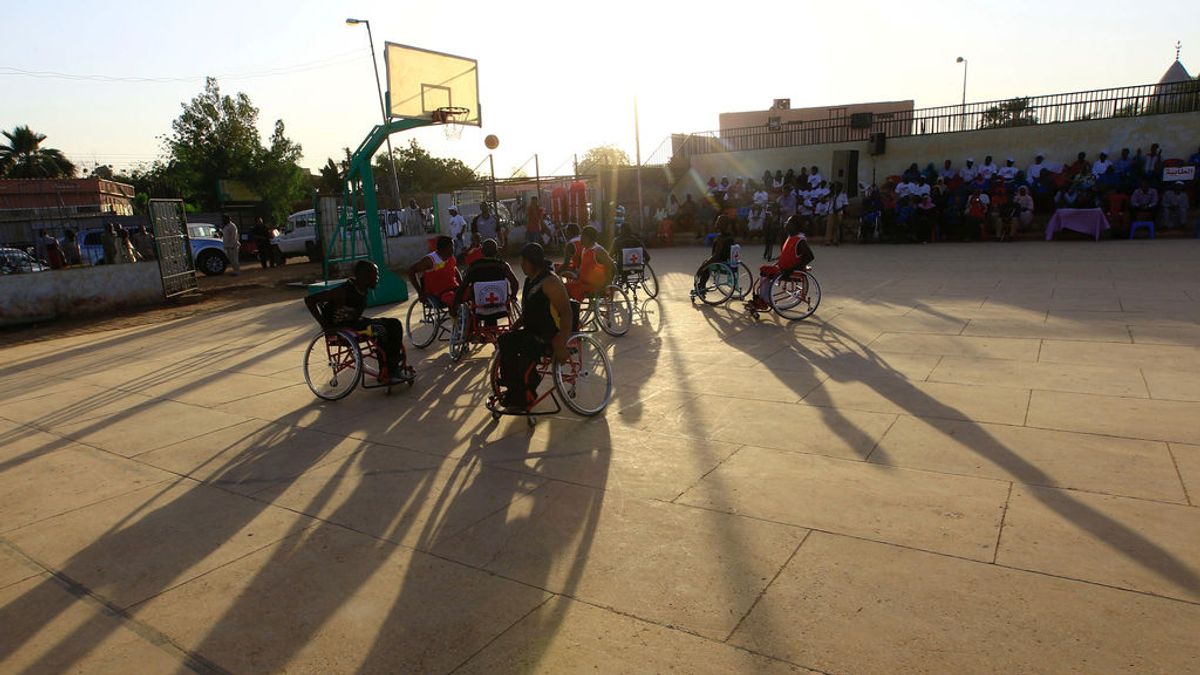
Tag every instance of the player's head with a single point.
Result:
(533, 259)
(588, 235)
(795, 225)
(445, 246)
(490, 248)
(366, 274)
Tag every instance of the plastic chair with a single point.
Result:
(1139, 224)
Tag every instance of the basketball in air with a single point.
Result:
(491, 141)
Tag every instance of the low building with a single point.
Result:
(23, 198)
(781, 115)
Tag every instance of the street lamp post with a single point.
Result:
(382, 107)
(963, 119)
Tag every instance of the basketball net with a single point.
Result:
(451, 120)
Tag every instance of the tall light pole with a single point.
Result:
(637, 141)
(382, 107)
(963, 119)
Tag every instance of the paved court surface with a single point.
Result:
(975, 458)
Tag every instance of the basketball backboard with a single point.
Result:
(421, 81)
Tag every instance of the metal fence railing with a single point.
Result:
(1134, 101)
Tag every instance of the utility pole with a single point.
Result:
(637, 141)
(537, 177)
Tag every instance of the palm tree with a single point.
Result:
(22, 158)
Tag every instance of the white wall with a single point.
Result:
(78, 291)
(1178, 134)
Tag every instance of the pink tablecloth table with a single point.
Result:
(1087, 221)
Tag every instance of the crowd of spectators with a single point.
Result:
(970, 201)
(982, 201)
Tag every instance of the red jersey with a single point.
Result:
(787, 256)
(472, 255)
(442, 277)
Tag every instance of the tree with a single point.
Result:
(23, 156)
(216, 137)
(330, 182)
(420, 172)
(603, 156)
(1014, 112)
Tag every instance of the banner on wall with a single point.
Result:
(1172, 174)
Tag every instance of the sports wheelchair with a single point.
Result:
(487, 313)
(793, 294)
(728, 279)
(338, 360)
(583, 382)
(633, 272)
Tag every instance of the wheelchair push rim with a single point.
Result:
(613, 311)
(332, 366)
(719, 287)
(797, 297)
(649, 282)
(423, 324)
(459, 340)
(584, 382)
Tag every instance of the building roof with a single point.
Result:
(1176, 73)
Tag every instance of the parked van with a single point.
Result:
(299, 236)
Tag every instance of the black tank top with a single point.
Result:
(535, 307)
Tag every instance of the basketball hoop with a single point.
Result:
(452, 119)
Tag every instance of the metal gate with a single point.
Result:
(175, 264)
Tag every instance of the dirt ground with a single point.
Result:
(255, 286)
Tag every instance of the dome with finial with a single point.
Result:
(1176, 73)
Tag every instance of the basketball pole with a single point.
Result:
(382, 107)
(492, 169)
(537, 178)
(637, 144)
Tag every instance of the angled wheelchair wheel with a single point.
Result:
(423, 322)
(614, 311)
(332, 365)
(459, 340)
(795, 297)
(584, 382)
(720, 285)
(649, 281)
(745, 282)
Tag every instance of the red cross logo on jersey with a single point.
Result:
(492, 298)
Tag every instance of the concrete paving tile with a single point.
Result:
(1128, 543)
(564, 636)
(1020, 349)
(849, 606)
(957, 515)
(1105, 380)
(378, 608)
(78, 475)
(14, 569)
(1045, 330)
(147, 426)
(620, 459)
(612, 551)
(650, 410)
(401, 496)
(1149, 419)
(1175, 385)
(1187, 459)
(211, 388)
(64, 407)
(925, 399)
(252, 456)
(758, 383)
(1185, 335)
(451, 432)
(297, 405)
(850, 434)
(1033, 456)
(909, 323)
(854, 362)
(132, 547)
(1174, 357)
(58, 633)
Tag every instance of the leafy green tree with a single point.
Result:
(216, 137)
(23, 157)
(330, 182)
(420, 172)
(1014, 112)
(602, 157)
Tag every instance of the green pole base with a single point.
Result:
(390, 290)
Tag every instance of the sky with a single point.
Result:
(556, 78)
